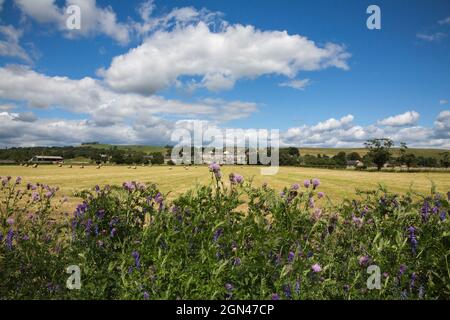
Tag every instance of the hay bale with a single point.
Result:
(98, 167)
(70, 166)
(81, 167)
(35, 165)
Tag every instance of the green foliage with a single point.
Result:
(379, 151)
(131, 243)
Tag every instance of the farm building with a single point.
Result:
(46, 159)
(354, 164)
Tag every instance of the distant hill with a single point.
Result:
(303, 151)
(141, 148)
(362, 151)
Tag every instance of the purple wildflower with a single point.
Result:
(402, 269)
(275, 296)
(113, 232)
(291, 256)
(295, 186)
(316, 268)
(9, 239)
(321, 194)
(146, 295)
(10, 221)
(307, 183)
(35, 197)
(425, 210)
(88, 227)
(413, 281)
(237, 261)
(442, 215)
(217, 234)
(18, 180)
(287, 291)
(101, 213)
(364, 261)
(229, 286)
(214, 167)
(137, 260)
(413, 239)
(315, 183)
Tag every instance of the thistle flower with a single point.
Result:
(307, 183)
(237, 261)
(214, 167)
(146, 295)
(229, 286)
(35, 197)
(295, 186)
(315, 183)
(321, 194)
(316, 268)
(18, 180)
(364, 261)
(10, 221)
(129, 186)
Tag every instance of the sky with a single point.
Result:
(136, 71)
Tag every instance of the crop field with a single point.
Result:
(337, 184)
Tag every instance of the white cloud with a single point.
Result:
(1, 5)
(9, 45)
(218, 58)
(433, 37)
(442, 125)
(299, 84)
(90, 96)
(94, 20)
(443, 101)
(444, 21)
(405, 119)
(332, 124)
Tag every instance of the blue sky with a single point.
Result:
(391, 82)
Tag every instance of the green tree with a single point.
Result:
(379, 151)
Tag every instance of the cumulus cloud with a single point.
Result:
(442, 125)
(218, 58)
(332, 124)
(9, 44)
(94, 20)
(298, 84)
(106, 107)
(405, 119)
